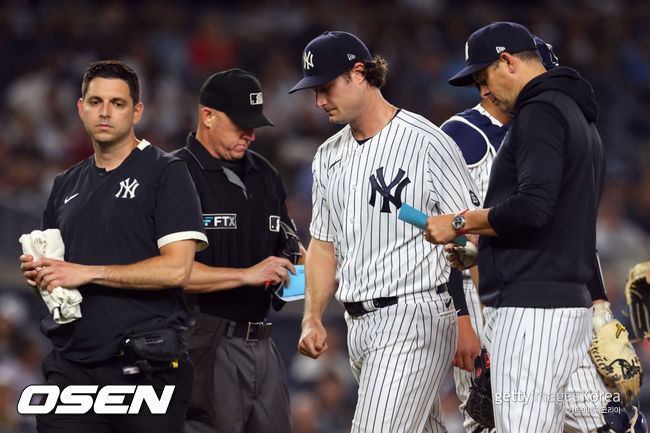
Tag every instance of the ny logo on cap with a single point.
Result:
(256, 98)
(308, 60)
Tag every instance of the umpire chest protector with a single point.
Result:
(241, 218)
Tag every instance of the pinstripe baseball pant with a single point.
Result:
(400, 354)
(534, 352)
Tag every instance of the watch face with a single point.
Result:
(458, 222)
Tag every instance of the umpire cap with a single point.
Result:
(486, 44)
(328, 56)
(238, 94)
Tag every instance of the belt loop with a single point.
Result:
(230, 328)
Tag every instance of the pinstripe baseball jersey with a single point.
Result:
(479, 135)
(357, 192)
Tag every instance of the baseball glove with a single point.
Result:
(637, 293)
(479, 401)
(616, 361)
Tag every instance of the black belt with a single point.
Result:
(251, 331)
(357, 309)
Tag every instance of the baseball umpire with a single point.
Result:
(240, 382)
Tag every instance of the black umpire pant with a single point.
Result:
(240, 386)
(62, 372)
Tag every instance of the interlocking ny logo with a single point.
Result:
(378, 185)
(127, 188)
(308, 60)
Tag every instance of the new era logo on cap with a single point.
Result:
(500, 49)
(328, 56)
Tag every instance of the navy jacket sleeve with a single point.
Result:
(596, 283)
(540, 131)
(455, 286)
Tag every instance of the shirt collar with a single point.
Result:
(209, 162)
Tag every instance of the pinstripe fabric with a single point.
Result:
(377, 254)
(534, 351)
(480, 172)
(400, 354)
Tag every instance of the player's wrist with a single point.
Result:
(602, 314)
(458, 222)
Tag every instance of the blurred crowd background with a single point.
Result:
(174, 46)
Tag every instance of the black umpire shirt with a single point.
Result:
(120, 217)
(241, 219)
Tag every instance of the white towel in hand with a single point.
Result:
(62, 303)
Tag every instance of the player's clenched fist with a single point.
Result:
(313, 340)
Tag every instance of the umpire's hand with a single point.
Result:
(313, 340)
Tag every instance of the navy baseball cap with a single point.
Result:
(486, 44)
(328, 56)
(549, 59)
(238, 94)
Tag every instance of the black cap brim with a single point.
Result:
(315, 80)
(250, 120)
(465, 76)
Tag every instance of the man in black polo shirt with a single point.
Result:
(240, 382)
(130, 221)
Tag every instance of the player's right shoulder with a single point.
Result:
(333, 148)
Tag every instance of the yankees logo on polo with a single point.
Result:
(378, 185)
(127, 188)
(223, 221)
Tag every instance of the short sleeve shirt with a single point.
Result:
(121, 217)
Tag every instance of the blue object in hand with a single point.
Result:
(410, 215)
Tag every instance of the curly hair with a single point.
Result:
(375, 71)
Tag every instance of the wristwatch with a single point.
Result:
(458, 222)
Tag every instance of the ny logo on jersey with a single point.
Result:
(127, 188)
(308, 60)
(378, 185)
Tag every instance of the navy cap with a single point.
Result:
(549, 59)
(486, 44)
(328, 56)
(238, 94)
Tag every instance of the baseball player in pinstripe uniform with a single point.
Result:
(401, 319)
(479, 131)
(537, 252)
